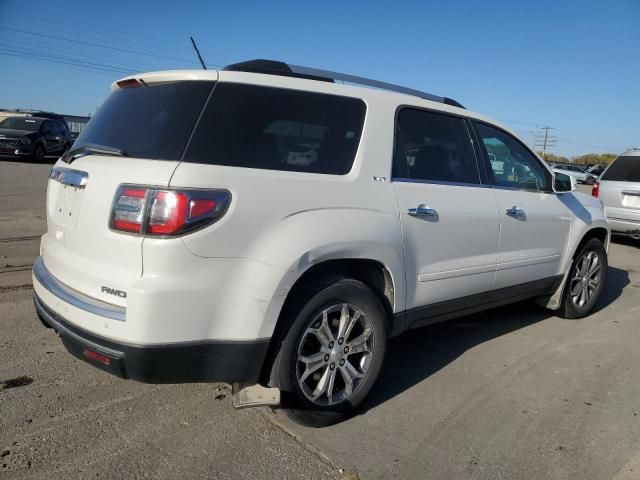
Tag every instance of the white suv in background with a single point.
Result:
(619, 191)
(188, 241)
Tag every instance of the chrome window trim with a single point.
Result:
(69, 177)
(463, 184)
(440, 182)
(75, 298)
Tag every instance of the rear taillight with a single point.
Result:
(128, 209)
(595, 190)
(163, 212)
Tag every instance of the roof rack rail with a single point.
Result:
(274, 67)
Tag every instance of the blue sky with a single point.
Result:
(573, 65)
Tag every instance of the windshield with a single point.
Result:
(148, 122)
(21, 123)
(623, 169)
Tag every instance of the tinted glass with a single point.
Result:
(435, 147)
(278, 129)
(46, 127)
(623, 169)
(512, 164)
(148, 122)
(21, 123)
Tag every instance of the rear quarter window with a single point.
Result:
(623, 169)
(278, 129)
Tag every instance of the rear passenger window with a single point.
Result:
(278, 129)
(436, 147)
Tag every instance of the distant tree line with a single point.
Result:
(587, 159)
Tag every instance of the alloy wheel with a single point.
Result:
(585, 279)
(334, 354)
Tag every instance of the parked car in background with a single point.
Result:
(619, 191)
(54, 116)
(267, 224)
(578, 173)
(595, 170)
(33, 137)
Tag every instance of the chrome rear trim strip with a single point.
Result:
(75, 298)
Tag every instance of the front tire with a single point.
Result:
(332, 354)
(586, 280)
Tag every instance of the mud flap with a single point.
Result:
(245, 396)
(553, 301)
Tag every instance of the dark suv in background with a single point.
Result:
(34, 137)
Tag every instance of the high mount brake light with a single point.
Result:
(129, 83)
(163, 212)
(595, 190)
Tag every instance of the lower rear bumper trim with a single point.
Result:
(185, 362)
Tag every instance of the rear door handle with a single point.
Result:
(515, 211)
(422, 210)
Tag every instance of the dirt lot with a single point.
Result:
(511, 393)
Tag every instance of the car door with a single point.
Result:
(534, 221)
(449, 219)
(58, 137)
(49, 136)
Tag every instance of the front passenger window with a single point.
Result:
(512, 165)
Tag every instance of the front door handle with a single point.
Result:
(422, 210)
(515, 211)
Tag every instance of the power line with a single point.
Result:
(16, 47)
(112, 33)
(43, 59)
(98, 45)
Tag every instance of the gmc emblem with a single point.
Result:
(113, 291)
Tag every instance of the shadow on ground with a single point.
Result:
(416, 355)
(628, 241)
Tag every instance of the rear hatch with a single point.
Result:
(620, 189)
(137, 137)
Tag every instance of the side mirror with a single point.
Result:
(563, 182)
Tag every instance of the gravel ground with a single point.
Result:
(511, 393)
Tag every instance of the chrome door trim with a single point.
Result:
(73, 297)
(69, 177)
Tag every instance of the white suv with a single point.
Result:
(619, 191)
(188, 240)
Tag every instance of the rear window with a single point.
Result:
(148, 122)
(278, 129)
(623, 169)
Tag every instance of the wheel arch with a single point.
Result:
(373, 273)
(553, 301)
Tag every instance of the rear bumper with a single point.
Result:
(624, 221)
(194, 361)
(207, 361)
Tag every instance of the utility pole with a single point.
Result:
(546, 140)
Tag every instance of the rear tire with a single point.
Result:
(586, 280)
(38, 154)
(332, 353)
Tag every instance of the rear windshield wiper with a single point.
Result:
(92, 148)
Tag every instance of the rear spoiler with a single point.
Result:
(167, 76)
